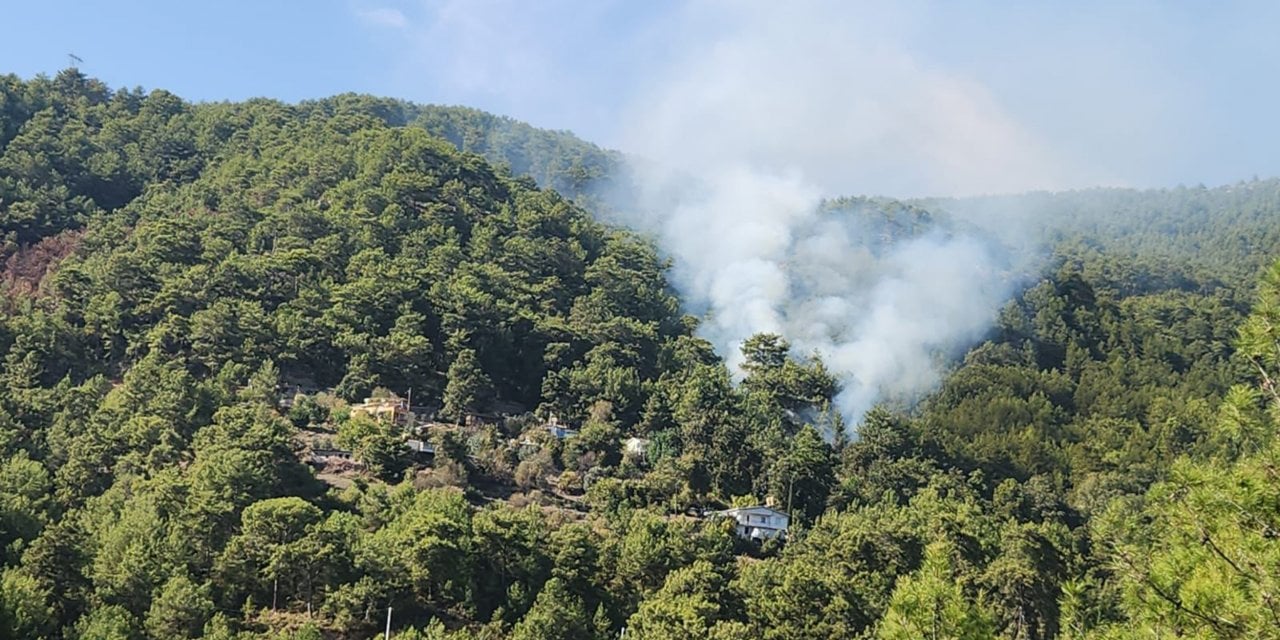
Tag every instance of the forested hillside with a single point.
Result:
(197, 298)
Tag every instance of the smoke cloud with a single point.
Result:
(743, 115)
(742, 139)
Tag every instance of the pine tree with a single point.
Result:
(468, 387)
(930, 604)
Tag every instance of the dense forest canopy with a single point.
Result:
(198, 298)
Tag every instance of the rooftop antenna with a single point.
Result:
(75, 60)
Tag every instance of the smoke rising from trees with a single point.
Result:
(743, 116)
(740, 144)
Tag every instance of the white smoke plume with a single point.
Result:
(746, 114)
(785, 105)
(755, 252)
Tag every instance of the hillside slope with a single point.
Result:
(198, 296)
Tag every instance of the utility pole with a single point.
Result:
(387, 635)
(75, 60)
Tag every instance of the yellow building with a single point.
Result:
(390, 409)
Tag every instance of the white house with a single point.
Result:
(758, 522)
(638, 447)
(559, 431)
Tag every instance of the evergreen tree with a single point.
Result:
(931, 604)
(556, 613)
(468, 388)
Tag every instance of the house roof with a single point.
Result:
(758, 508)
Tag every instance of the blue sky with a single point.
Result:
(1122, 93)
(296, 49)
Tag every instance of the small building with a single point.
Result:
(559, 431)
(389, 409)
(758, 522)
(290, 388)
(321, 457)
(638, 447)
(420, 447)
(475, 419)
